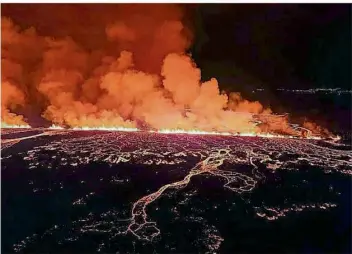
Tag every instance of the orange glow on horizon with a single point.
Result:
(176, 131)
(189, 132)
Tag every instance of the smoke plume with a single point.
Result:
(140, 75)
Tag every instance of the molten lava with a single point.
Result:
(193, 132)
(12, 126)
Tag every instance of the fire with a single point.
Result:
(242, 134)
(100, 128)
(13, 126)
(190, 132)
(56, 127)
(86, 128)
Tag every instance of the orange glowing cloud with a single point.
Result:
(139, 76)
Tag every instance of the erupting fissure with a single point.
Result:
(298, 135)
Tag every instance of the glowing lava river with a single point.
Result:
(128, 191)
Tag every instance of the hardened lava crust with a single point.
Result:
(133, 192)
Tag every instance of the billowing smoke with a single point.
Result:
(18, 50)
(316, 129)
(141, 76)
(11, 97)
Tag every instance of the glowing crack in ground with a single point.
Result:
(239, 163)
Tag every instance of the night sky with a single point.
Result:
(242, 45)
(281, 45)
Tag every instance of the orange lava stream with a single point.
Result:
(242, 134)
(139, 223)
(5, 143)
(178, 131)
(188, 132)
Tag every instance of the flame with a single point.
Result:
(103, 128)
(242, 134)
(56, 127)
(190, 132)
(13, 126)
(178, 131)
(100, 128)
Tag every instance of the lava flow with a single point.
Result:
(14, 126)
(172, 161)
(298, 134)
(140, 226)
(178, 131)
